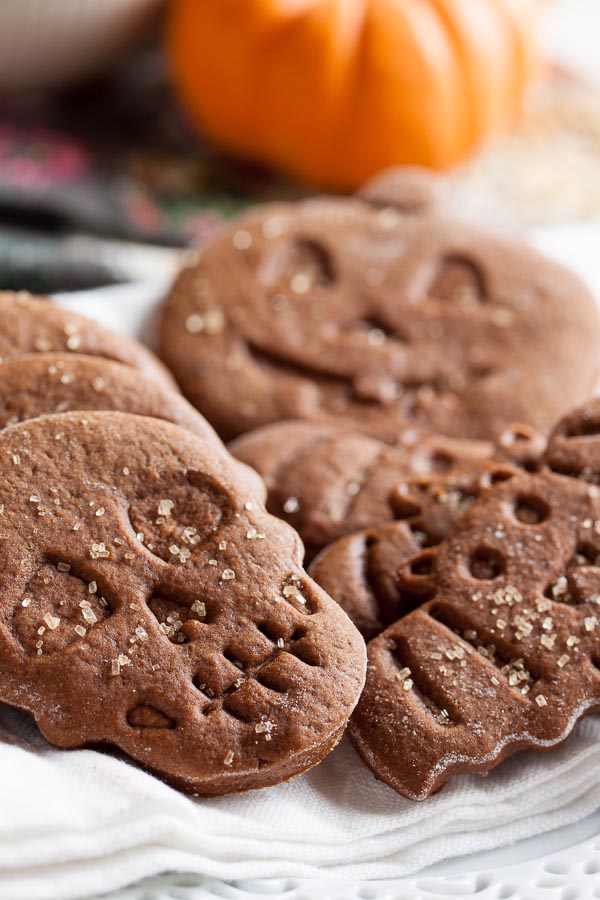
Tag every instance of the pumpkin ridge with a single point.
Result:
(272, 150)
(470, 118)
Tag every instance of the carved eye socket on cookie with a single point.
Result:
(174, 518)
(586, 555)
(531, 510)
(524, 445)
(415, 575)
(496, 475)
(297, 266)
(57, 609)
(459, 281)
(486, 564)
(442, 461)
(422, 564)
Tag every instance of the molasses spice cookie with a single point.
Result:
(329, 482)
(45, 383)
(33, 325)
(505, 654)
(343, 309)
(148, 603)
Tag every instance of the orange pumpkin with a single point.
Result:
(332, 91)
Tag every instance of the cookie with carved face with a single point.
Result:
(149, 604)
(346, 310)
(46, 383)
(36, 325)
(504, 655)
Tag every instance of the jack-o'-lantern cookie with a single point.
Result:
(346, 310)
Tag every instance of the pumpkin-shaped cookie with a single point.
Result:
(360, 314)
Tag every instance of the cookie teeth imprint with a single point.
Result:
(508, 644)
(350, 311)
(136, 613)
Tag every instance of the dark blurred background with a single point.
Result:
(103, 180)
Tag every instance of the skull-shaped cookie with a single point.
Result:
(150, 604)
(347, 310)
(505, 655)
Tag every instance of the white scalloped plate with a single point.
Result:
(531, 870)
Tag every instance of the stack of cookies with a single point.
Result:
(389, 379)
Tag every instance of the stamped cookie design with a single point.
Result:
(353, 311)
(150, 604)
(359, 570)
(329, 482)
(505, 653)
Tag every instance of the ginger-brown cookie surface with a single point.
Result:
(33, 325)
(574, 445)
(340, 309)
(359, 570)
(149, 603)
(505, 654)
(46, 383)
(329, 482)
(409, 189)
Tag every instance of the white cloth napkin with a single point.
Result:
(78, 823)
